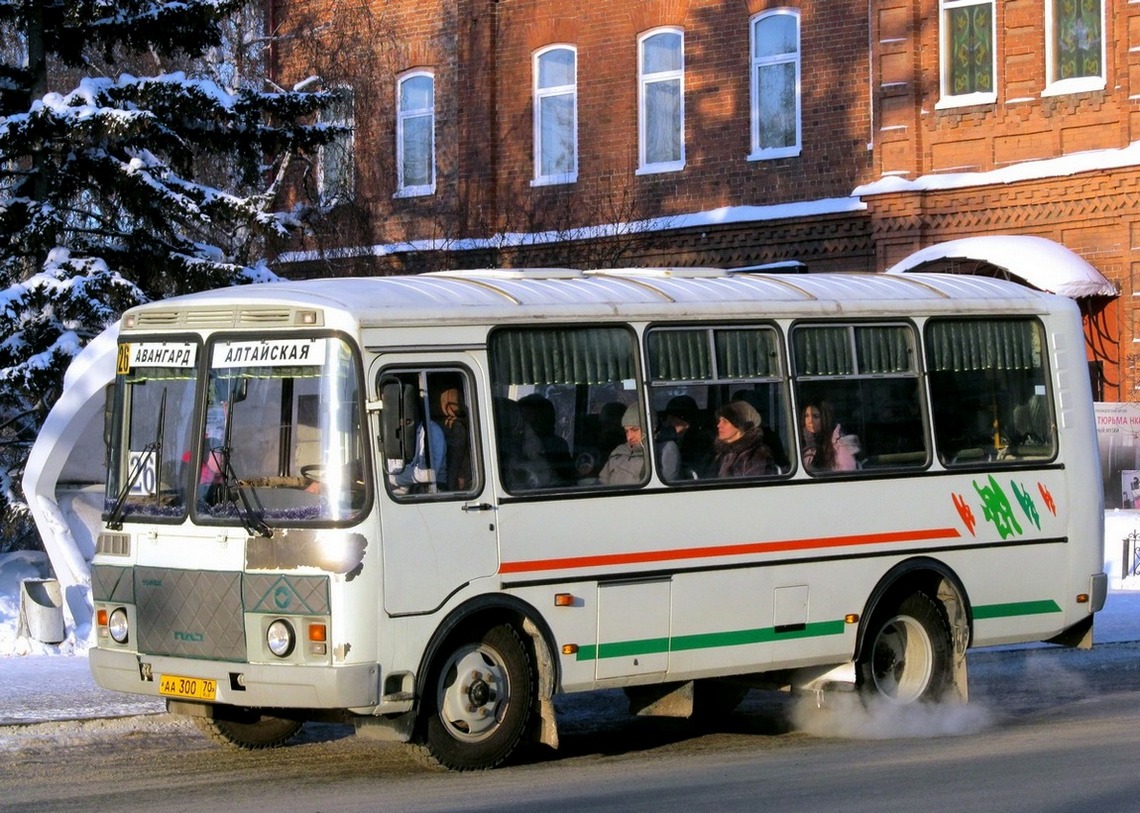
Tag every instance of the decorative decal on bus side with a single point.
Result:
(998, 510)
(269, 353)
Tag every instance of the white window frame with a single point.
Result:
(402, 117)
(643, 81)
(551, 92)
(760, 153)
(945, 98)
(1078, 84)
(342, 112)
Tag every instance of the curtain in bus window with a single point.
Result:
(679, 355)
(884, 349)
(983, 345)
(583, 356)
(823, 351)
(746, 354)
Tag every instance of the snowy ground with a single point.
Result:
(52, 682)
(48, 682)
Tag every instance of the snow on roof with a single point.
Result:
(1040, 262)
(1063, 166)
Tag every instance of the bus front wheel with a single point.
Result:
(255, 735)
(906, 657)
(478, 700)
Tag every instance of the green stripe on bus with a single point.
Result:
(1016, 608)
(707, 640)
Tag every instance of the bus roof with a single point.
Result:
(498, 296)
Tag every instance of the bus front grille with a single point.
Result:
(190, 614)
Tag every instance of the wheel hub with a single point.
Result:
(479, 692)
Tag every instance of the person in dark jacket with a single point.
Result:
(681, 425)
(739, 447)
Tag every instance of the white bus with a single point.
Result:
(428, 504)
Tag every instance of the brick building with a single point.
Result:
(837, 135)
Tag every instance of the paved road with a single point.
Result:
(1047, 730)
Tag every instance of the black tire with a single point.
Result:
(479, 700)
(256, 735)
(907, 654)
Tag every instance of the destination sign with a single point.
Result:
(269, 353)
(156, 354)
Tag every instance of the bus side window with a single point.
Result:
(550, 389)
(438, 443)
(989, 390)
(859, 396)
(697, 373)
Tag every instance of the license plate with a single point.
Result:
(191, 687)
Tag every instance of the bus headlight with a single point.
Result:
(117, 626)
(280, 638)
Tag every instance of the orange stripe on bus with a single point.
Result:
(644, 557)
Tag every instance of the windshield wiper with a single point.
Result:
(250, 518)
(154, 448)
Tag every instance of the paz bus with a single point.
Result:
(392, 501)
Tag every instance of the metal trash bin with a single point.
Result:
(41, 610)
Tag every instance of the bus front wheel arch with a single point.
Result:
(479, 699)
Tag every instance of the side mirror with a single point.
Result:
(398, 420)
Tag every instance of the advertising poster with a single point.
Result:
(1118, 433)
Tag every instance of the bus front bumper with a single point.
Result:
(251, 685)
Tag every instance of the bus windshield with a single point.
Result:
(280, 433)
(281, 440)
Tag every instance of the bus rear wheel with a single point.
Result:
(479, 700)
(255, 735)
(907, 654)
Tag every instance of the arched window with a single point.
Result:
(556, 115)
(415, 134)
(776, 84)
(661, 101)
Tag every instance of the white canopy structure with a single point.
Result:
(1041, 263)
(75, 422)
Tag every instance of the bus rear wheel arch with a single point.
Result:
(479, 700)
(908, 653)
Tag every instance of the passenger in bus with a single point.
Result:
(539, 413)
(740, 449)
(611, 433)
(826, 448)
(681, 425)
(1031, 422)
(772, 438)
(452, 417)
(626, 464)
(427, 470)
(521, 463)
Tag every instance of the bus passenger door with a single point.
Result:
(436, 510)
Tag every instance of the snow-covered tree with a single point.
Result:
(135, 163)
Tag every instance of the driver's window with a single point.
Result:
(437, 457)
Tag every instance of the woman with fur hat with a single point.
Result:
(739, 447)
